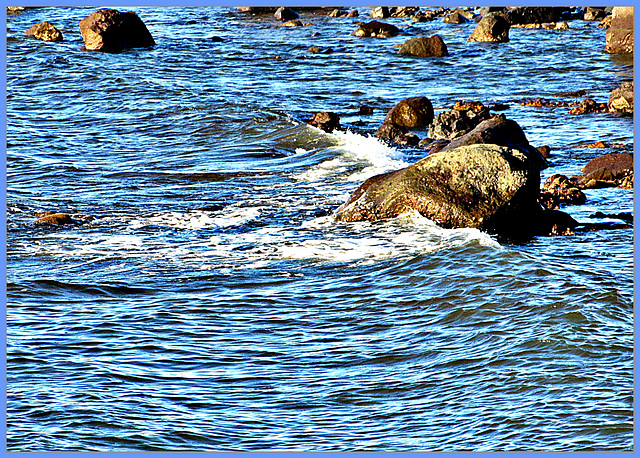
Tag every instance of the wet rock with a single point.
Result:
(539, 103)
(411, 112)
(44, 31)
(578, 93)
(365, 110)
(433, 46)
(545, 151)
(380, 12)
(217, 39)
(294, 23)
(558, 190)
(621, 99)
(337, 13)
(403, 11)
(353, 13)
(285, 14)
(535, 14)
(326, 120)
(424, 16)
(376, 29)
(492, 28)
(594, 14)
(257, 9)
(589, 105)
(392, 132)
(499, 130)
(608, 170)
(605, 23)
(313, 49)
(55, 219)
(490, 187)
(109, 30)
(620, 34)
(624, 216)
(461, 119)
(455, 18)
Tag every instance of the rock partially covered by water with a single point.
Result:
(325, 120)
(462, 118)
(376, 29)
(286, 14)
(620, 34)
(433, 46)
(44, 31)
(535, 14)
(55, 219)
(110, 30)
(397, 134)
(492, 28)
(489, 187)
(558, 189)
(411, 112)
(455, 18)
(608, 170)
(621, 99)
(380, 12)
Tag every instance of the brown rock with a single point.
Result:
(55, 219)
(376, 29)
(45, 31)
(109, 30)
(433, 46)
(326, 120)
(558, 189)
(411, 112)
(621, 99)
(608, 170)
(620, 34)
(492, 28)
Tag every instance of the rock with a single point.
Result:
(535, 14)
(326, 120)
(424, 16)
(294, 23)
(376, 29)
(411, 112)
(558, 189)
(455, 18)
(594, 14)
(492, 28)
(620, 34)
(461, 119)
(391, 131)
(605, 23)
(285, 14)
(380, 12)
(545, 151)
(432, 46)
(109, 30)
(337, 13)
(404, 11)
(313, 49)
(500, 131)
(257, 9)
(489, 187)
(589, 105)
(45, 31)
(353, 13)
(55, 219)
(621, 99)
(608, 170)
(365, 110)
(217, 39)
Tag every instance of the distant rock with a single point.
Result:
(326, 120)
(286, 14)
(294, 23)
(535, 14)
(433, 46)
(376, 29)
(257, 9)
(109, 30)
(589, 105)
(620, 34)
(411, 112)
(455, 18)
(608, 170)
(594, 14)
(621, 99)
(380, 12)
(44, 31)
(492, 28)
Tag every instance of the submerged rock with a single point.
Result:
(411, 112)
(489, 187)
(619, 38)
(376, 29)
(589, 105)
(433, 46)
(492, 28)
(109, 30)
(621, 99)
(44, 31)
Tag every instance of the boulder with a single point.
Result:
(594, 14)
(286, 14)
(489, 187)
(492, 28)
(620, 34)
(55, 219)
(109, 30)
(557, 190)
(433, 46)
(44, 31)
(499, 130)
(376, 29)
(455, 18)
(608, 170)
(380, 12)
(411, 112)
(621, 99)
(325, 120)
(535, 14)
(462, 118)
(396, 133)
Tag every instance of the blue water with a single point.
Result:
(211, 302)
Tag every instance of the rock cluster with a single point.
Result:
(557, 190)
(609, 170)
(376, 29)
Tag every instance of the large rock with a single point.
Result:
(492, 28)
(613, 169)
(433, 46)
(535, 14)
(286, 14)
(110, 30)
(44, 31)
(489, 187)
(621, 99)
(376, 29)
(411, 112)
(620, 34)
(499, 130)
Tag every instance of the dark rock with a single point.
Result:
(380, 12)
(535, 14)
(594, 14)
(557, 190)
(365, 110)
(45, 31)
(326, 121)
(490, 187)
(500, 131)
(411, 112)
(621, 99)
(608, 170)
(433, 46)
(285, 14)
(109, 30)
(492, 28)
(376, 29)
(461, 119)
(353, 13)
(217, 39)
(389, 131)
(624, 216)
(257, 9)
(424, 16)
(455, 18)
(545, 151)
(620, 34)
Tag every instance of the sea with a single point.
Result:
(206, 299)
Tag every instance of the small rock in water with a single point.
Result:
(109, 30)
(325, 120)
(492, 28)
(45, 31)
(433, 46)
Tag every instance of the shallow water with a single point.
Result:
(213, 303)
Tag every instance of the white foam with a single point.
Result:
(198, 219)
